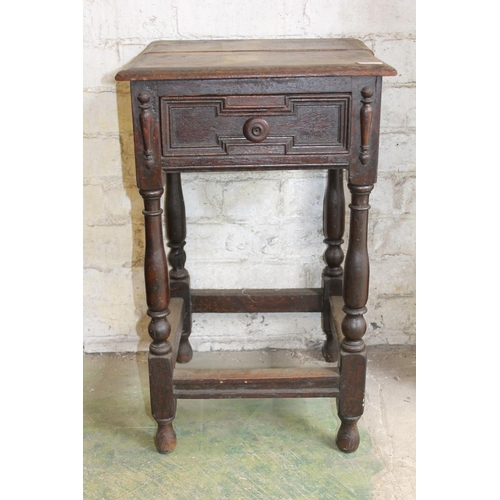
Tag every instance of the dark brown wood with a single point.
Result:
(366, 117)
(257, 383)
(175, 221)
(146, 137)
(258, 93)
(168, 60)
(256, 129)
(217, 126)
(257, 105)
(333, 230)
(161, 369)
(352, 348)
(201, 130)
(156, 274)
(334, 224)
(258, 300)
(158, 297)
(257, 162)
(150, 183)
(177, 309)
(162, 401)
(331, 287)
(147, 127)
(365, 131)
(181, 288)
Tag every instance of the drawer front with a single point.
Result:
(260, 125)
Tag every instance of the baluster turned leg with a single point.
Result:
(179, 277)
(158, 297)
(333, 229)
(352, 349)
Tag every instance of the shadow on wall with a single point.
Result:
(130, 187)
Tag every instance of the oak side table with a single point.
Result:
(219, 105)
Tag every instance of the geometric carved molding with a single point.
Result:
(297, 124)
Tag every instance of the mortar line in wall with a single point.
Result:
(400, 85)
(389, 130)
(103, 135)
(101, 90)
(403, 216)
(395, 176)
(409, 130)
(377, 36)
(396, 295)
(306, 7)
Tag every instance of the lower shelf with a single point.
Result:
(257, 383)
(275, 381)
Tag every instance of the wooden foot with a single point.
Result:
(163, 402)
(185, 353)
(165, 439)
(330, 349)
(348, 435)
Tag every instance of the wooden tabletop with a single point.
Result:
(199, 59)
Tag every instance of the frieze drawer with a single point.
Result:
(258, 125)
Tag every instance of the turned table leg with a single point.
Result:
(158, 297)
(352, 349)
(175, 221)
(333, 229)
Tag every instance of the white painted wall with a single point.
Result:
(258, 230)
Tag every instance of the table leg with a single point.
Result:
(333, 229)
(175, 221)
(158, 298)
(352, 349)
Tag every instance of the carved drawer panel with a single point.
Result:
(264, 125)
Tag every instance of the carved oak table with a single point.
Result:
(204, 106)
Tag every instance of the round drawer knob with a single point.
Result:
(256, 129)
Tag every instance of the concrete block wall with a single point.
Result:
(259, 230)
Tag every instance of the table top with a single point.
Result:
(212, 59)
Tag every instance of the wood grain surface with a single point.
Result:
(173, 60)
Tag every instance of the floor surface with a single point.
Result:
(248, 448)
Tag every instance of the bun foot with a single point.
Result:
(329, 351)
(185, 353)
(165, 439)
(348, 436)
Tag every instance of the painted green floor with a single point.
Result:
(226, 449)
